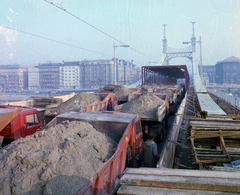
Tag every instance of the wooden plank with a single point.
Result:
(183, 182)
(141, 190)
(181, 172)
(223, 147)
(211, 120)
(214, 128)
(206, 134)
(221, 168)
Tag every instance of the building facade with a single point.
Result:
(33, 79)
(69, 75)
(86, 74)
(224, 72)
(96, 73)
(228, 71)
(13, 78)
(209, 72)
(49, 76)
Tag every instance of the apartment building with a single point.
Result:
(86, 74)
(33, 79)
(228, 71)
(13, 78)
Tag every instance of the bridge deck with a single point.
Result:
(207, 104)
(205, 101)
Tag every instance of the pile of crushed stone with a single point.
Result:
(110, 88)
(145, 88)
(77, 102)
(120, 91)
(169, 92)
(59, 160)
(145, 105)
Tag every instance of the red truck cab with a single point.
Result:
(25, 123)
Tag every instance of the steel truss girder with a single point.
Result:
(172, 55)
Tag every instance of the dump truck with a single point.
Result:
(107, 104)
(171, 92)
(104, 101)
(125, 129)
(18, 122)
(152, 110)
(121, 92)
(163, 96)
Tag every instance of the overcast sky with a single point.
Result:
(35, 31)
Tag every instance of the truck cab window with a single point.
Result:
(137, 128)
(32, 119)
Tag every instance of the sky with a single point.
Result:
(42, 31)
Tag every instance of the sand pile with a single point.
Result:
(77, 102)
(169, 92)
(120, 91)
(145, 88)
(58, 160)
(109, 88)
(145, 105)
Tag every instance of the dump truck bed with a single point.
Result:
(124, 129)
(7, 115)
(146, 105)
(94, 116)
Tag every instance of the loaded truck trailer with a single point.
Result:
(125, 129)
(163, 96)
(152, 110)
(40, 167)
(84, 102)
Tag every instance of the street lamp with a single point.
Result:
(114, 59)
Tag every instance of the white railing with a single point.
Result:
(233, 100)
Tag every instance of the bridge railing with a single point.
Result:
(233, 100)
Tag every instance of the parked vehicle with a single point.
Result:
(107, 104)
(156, 120)
(18, 122)
(126, 130)
(163, 96)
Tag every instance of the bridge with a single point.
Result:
(206, 102)
(204, 137)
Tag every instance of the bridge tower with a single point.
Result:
(170, 53)
(164, 40)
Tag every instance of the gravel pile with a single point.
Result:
(145, 105)
(120, 91)
(57, 160)
(77, 102)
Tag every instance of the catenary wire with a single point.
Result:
(60, 42)
(61, 8)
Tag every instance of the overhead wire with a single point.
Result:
(63, 9)
(60, 42)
